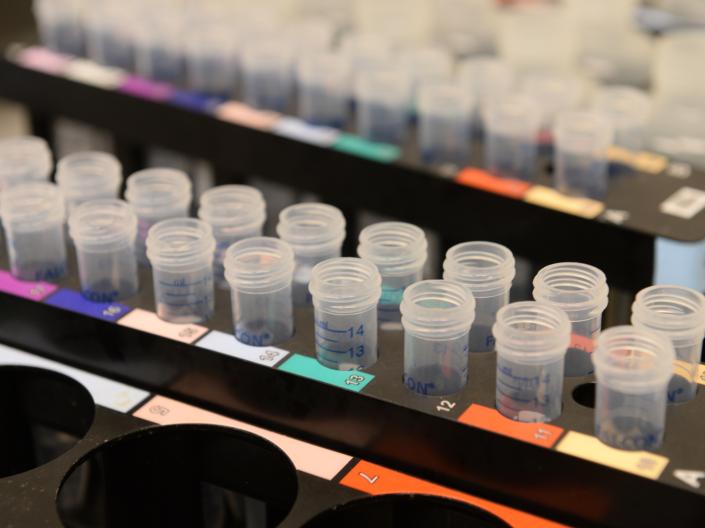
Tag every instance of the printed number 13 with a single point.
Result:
(357, 351)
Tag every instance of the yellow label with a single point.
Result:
(701, 374)
(641, 161)
(641, 463)
(552, 199)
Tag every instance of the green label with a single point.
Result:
(309, 367)
(391, 296)
(358, 146)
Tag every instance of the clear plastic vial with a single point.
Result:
(315, 231)
(268, 74)
(235, 212)
(511, 126)
(155, 195)
(383, 98)
(581, 291)
(436, 316)
(324, 89)
(532, 339)
(487, 270)
(345, 293)
(86, 176)
(260, 271)
(629, 109)
(180, 251)
(104, 233)
(24, 159)
(677, 313)
(445, 124)
(399, 250)
(581, 140)
(33, 218)
(633, 367)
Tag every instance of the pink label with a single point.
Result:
(149, 322)
(309, 458)
(43, 60)
(244, 115)
(34, 291)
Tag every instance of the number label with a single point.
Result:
(369, 479)
(445, 406)
(354, 379)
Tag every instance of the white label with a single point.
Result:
(228, 345)
(108, 393)
(684, 203)
(692, 478)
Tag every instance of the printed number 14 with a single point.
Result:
(360, 330)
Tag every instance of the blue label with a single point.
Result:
(75, 302)
(196, 101)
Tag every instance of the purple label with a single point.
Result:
(34, 291)
(195, 101)
(75, 302)
(146, 89)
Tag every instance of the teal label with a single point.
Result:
(358, 146)
(309, 367)
(391, 296)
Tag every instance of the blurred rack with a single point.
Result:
(617, 237)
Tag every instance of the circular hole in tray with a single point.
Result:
(43, 415)
(585, 395)
(186, 475)
(393, 511)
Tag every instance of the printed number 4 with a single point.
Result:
(445, 406)
(369, 479)
(360, 330)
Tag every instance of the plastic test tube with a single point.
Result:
(159, 53)
(633, 367)
(581, 141)
(104, 233)
(485, 78)
(33, 218)
(399, 250)
(345, 293)
(629, 109)
(86, 176)
(677, 313)
(235, 212)
(211, 59)
(532, 339)
(324, 89)
(156, 194)
(445, 124)
(24, 159)
(487, 270)
(268, 74)
(425, 65)
(60, 25)
(512, 126)
(436, 316)
(581, 291)
(315, 231)
(553, 93)
(383, 98)
(180, 251)
(259, 271)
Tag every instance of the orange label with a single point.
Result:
(586, 344)
(541, 434)
(484, 181)
(378, 480)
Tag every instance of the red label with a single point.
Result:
(378, 480)
(540, 434)
(485, 181)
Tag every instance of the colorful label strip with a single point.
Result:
(149, 322)
(73, 301)
(484, 181)
(106, 392)
(309, 458)
(309, 367)
(34, 291)
(227, 344)
(378, 480)
(362, 148)
(541, 434)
